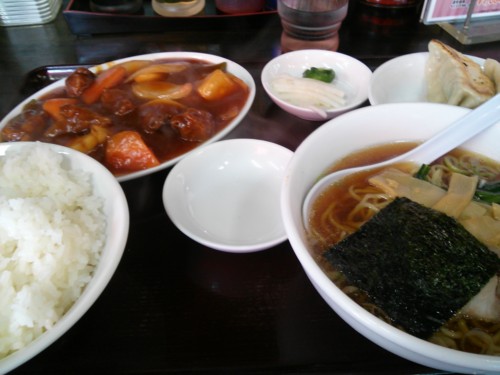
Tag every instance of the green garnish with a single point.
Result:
(488, 192)
(320, 74)
(423, 172)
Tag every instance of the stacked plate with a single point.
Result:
(28, 12)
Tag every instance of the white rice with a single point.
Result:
(52, 230)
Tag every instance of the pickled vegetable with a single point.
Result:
(320, 74)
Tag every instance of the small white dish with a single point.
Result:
(351, 76)
(402, 80)
(226, 195)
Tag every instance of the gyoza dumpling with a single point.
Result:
(492, 70)
(455, 79)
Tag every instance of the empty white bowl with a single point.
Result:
(117, 218)
(226, 195)
(402, 80)
(351, 76)
(357, 130)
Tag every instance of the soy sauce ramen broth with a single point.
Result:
(462, 333)
(326, 235)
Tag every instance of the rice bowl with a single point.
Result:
(71, 200)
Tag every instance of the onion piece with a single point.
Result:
(308, 93)
(156, 69)
(161, 90)
(133, 66)
(164, 101)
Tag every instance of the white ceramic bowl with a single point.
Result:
(402, 80)
(117, 215)
(354, 131)
(226, 195)
(232, 67)
(352, 76)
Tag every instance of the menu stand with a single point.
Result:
(474, 31)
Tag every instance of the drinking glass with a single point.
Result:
(311, 23)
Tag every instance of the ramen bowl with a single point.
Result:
(357, 130)
(111, 243)
(351, 76)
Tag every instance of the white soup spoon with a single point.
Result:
(473, 123)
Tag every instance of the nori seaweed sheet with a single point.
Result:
(419, 265)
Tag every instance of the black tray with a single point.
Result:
(82, 20)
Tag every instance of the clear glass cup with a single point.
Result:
(180, 8)
(17, 13)
(311, 23)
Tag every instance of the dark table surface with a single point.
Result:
(174, 306)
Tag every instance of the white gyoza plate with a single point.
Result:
(232, 67)
(402, 80)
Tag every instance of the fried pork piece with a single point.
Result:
(194, 125)
(77, 120)
(417, 264)
(23, 128)
(117, 102)
(157, 113)
(27, 126)
(79, 81)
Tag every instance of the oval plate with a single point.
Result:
(232, 67)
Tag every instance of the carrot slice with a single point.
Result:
(107, 79)
(126, 150)
(53, 106)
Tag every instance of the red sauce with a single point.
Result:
(165, 142)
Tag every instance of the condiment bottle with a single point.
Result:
(178, 8)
